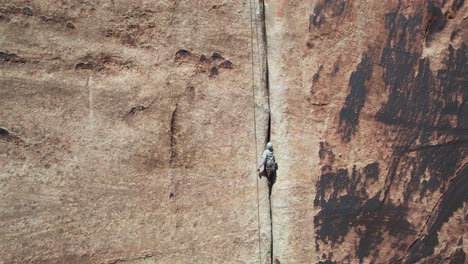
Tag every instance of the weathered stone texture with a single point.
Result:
(369, 112)
(119, 140)
(127, 131)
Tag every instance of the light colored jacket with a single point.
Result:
(268, 155)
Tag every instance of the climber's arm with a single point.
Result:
(263, 161)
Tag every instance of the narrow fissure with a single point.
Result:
(271, 181)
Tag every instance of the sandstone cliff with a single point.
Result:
(127, 133)
(369, 111)
(130, 130)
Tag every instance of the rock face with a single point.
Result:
(128, 134)
(130, 130)
(369, 111)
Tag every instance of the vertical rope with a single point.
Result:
(252, 14)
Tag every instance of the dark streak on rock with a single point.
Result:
(137, 108)
(70, 25)
(203, 58)
(9, 136)
(458, 257)
(324, 9)
(422, 105)
(217, 56)
(4, 132)
(11, 57)
(457, 4)
(336, 68)
(345, 205)
(214, 71)
(416, 103)
(427, 114)
(226, 65)
(326, 154)
(190, 93)
(182, 54)
(316, 76)
(452, 200)
(85, 66)
(436, 22)
(454, 34)
(173, 132)
(337, 212)
(62, 20)
(431, 146)
(349, 114)
(372, 171)
(102, 61)
(131, 259)
(27, 11)
(17, 10)
(326, 262)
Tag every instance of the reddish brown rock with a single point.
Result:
(130, 130)
(369, 111)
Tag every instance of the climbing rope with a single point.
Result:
(252, 15)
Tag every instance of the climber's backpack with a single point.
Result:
(273, 166)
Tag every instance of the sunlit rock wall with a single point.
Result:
(370, 121)
(127, 133)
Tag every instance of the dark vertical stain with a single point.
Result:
(457, 4)
(326, 9)
(454, 34)
(436, 22)
(423, 107)
(423, 104)
(458, 257)
(173, 132)
(316, 76)
(336, 67)
(326, 154)
(349, 114)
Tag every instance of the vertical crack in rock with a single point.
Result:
(268, 132)
(172, 162)
(172, 134)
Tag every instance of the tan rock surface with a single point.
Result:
(127, 133)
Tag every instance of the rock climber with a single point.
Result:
(269, 163)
